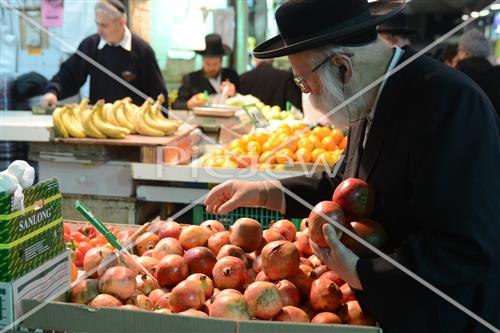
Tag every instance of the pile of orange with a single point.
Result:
(287, 144)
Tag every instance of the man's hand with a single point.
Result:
(337, 257)
(196, 100)
(231, 89)
(232, 194)
(49, 100)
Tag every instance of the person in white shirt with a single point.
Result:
(118, 50)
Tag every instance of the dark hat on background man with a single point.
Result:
(397, 25)
(214, 46)
(118, 5)
(307, 24)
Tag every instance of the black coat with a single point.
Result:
(485, 75)
(140, 64)
(272, 86)
(433, 157)
(196, 82)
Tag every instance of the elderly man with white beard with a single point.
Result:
(426, 138)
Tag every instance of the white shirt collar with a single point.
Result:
(215, 82)
(125, 43)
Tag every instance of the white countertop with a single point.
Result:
(25, 126)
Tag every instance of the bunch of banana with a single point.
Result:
(149, 121)
(67, 123)
(104, 124)
(113, 120)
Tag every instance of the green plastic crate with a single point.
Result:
(264, 216)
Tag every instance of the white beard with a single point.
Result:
(332, 96)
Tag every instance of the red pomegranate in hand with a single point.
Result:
(316, 220)
(355, 197)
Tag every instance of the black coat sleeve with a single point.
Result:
(73, 72)
(455, 160)
(311, 188)
(153, 81)
(184, 94)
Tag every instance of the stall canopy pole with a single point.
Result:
(241, 53)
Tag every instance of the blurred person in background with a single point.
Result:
(447, 54)
(472, 59)
(118, 50)
(212, 78)
(271, 85)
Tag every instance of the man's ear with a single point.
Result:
(344, 66)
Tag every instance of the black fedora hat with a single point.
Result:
(214, 46)
(397, 25)
(307, 24)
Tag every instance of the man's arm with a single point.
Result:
(72, 74)
(455, 159)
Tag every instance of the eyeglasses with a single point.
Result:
(301, 80)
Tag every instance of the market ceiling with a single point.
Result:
(445, 6)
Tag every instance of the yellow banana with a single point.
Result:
(58, 123)
(110, 115)
(78, 109)
(166, 128)
(130, 110)
(158, 114)
(140, 125)
(88, 125)
(71, 123)
(122, 118)
(109, 130)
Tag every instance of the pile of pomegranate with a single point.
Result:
(243, 273)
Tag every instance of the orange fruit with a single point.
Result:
(236, 143)
(316, 153)
(74, 272)
(315, 140)
(306, 144)
(267, 157)
(337, 135)
(303, 155)
(329, 143)
(236, 152)
(284, 156)
(321, 132)
(279, 167)
(268, 145)
(261, 137)
(298, 126)
(330, 157)
(291, 143)
(254, 147)
(343, 143)
(265, 166)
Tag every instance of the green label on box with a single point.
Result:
(30, 251)
(42, 203)
(40, 191)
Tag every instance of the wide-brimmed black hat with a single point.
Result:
(214, 46)
(398, 25)
(307, 24)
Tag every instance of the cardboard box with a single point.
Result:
(31, 236)
(80, 318)
(40, 284)
(42, 205)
